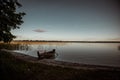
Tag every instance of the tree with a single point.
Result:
(9, 19)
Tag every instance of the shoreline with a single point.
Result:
(67, 41)
(63, 64)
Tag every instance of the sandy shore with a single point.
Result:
(53, 62)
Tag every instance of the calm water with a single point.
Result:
(87, 53)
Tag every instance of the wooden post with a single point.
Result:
(38, 54)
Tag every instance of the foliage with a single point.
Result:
(9, 19)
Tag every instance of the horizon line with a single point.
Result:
(71, 40)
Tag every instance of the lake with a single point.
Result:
(86, 53)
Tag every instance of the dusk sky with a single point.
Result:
(69, 20)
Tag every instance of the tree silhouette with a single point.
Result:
(9, 19)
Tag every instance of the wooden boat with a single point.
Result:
(49, 54)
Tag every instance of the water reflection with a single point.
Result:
(21, 47)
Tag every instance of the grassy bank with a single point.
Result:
(15, 69)
(9, 46)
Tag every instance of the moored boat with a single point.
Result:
(49, 54)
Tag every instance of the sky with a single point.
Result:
(72, 20)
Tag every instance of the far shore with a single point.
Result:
(66, 41)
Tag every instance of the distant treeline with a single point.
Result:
(67, 41)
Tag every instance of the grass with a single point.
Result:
(9, 46)
(15, 69)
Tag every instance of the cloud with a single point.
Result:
(39, 30)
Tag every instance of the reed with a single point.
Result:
(9, 46)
